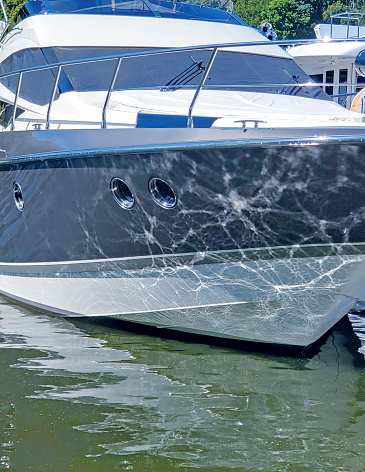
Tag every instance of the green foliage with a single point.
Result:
(288, 17)
(292, 18)
(336, 7)
(12, 9)
(340, 6)
(251, 11)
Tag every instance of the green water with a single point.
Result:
(86, 397)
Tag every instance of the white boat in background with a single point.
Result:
(338, 65)
(165, 164)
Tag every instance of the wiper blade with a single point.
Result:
(295, 78)
(186, 76)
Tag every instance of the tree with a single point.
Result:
(336, 7)
(252, 11)
(289, 18)
(292, 18)
(340, 6)
(12, 9)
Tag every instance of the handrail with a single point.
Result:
(249, 86)
(220, 87)
(214, 47)
(190, 123)
(294, 42)
(111, 88)
(348, 94)
(4, 24)
(16, 100)
(4, 11)
(54, 91)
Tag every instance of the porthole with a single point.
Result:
(122, 193)
(18, 196)
(162, 193)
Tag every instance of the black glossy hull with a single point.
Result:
(228, 198)
(239, 196)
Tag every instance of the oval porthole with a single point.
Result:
(162, 193)
(18, 196)
(122, 193)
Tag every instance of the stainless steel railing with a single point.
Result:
(4, 24)
(214, 48)
(350, 18)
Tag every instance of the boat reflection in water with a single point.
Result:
(94, 397)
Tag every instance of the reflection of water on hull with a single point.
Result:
(284, 296)
(177, 401)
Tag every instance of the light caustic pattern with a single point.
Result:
(271, 299)
(265, 198)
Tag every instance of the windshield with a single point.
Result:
(160, 71)
(222, 11)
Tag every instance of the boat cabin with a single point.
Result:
(152, 63)
(333, 64)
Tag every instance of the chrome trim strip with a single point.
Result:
(176, 260)
(150, 148)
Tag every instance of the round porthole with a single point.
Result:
(162, 193)
(122, 194)
(18, 196)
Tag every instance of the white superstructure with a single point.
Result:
(333, 62)
(43, 39)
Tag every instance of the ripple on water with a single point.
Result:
(101, 398)
(357, 321)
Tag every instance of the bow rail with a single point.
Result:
(213, 48)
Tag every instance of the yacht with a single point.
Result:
(165, 164)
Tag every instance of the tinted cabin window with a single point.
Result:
(230, 71)
(329, 80)
(343, 80)
(343, 88)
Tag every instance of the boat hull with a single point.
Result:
(265, 243)
(277, 295)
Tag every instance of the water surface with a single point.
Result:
(90, 397)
